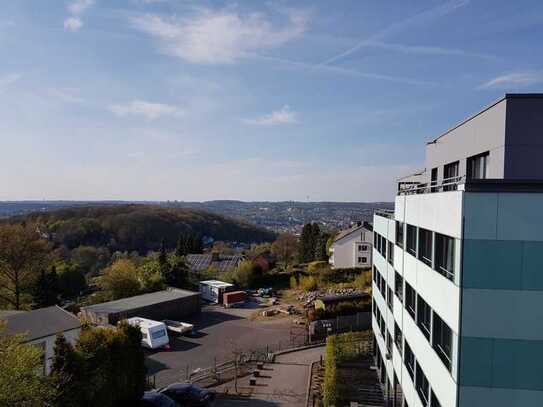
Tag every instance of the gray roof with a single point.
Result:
(199, 262)
(140, 301)
(347, 232)
(41, 323)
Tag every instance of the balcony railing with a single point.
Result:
(385, 213)
(447, 184)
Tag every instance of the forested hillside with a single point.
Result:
(138, 228)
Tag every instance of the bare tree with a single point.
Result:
(23, 255)
(285, 247)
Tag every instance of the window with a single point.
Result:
(398, 286)
(477, 166)
(375, 240)
(434, 402)
(382, 325)
(383, 287)
(389, 343)
(424, 317)
(425, 246)
(442, 340)
(410, 300)
(158, 334)
(409, 360)
(433, 181)
(390, 302)
(450, 176)
(391, 253)
(399, 233)
(444, 263)
(422, 385)
(398, 337)
(411, 244)
(362, 259)
(373, 307)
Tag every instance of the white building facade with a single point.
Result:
(352, 248)
(458, 270)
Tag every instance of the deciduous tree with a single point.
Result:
(23, 255)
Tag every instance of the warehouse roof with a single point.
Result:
(41, 323)
(140, 301)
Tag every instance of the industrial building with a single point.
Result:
(172, 303)
(457, 280)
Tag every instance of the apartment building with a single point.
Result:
(352, 247)
(458, 267)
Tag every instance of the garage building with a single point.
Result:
(172, 303)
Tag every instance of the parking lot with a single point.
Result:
(218, 332)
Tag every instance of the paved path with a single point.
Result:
(283, 383)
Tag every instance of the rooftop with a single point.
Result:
(217, 283)
(41, 323)
(222, 262)
(506, 96)
(140, 301)
(347, 232)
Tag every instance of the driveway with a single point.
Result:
(218, 333)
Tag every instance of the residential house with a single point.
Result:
(353, 247)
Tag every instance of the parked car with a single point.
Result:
(265, 292)
(189, 394)
(156, 399)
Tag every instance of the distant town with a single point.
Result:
(280, 217)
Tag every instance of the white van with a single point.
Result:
(154, 333)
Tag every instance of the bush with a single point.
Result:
(317, 266)
(105, 368)
(293, 282)
(308, 283)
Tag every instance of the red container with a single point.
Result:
(234, 297)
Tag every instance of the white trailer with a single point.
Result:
(213, 290)
(154, 334)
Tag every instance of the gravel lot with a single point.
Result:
(218, 332)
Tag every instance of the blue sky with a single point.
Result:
(267, 100)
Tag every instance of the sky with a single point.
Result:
(253, 100)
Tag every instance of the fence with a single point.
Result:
(360, 321)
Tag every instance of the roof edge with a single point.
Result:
(488, 107)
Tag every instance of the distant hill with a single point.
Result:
(139, 227)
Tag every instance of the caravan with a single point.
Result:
(153, 333)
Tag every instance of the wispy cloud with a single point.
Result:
(426, 50)
(65, 95)
(76, 8)
(73, 23)
(348, 72)
(148, 110)
(8, 80)
(516, 79)
(413, 21)
(281, 116)
(220, 37)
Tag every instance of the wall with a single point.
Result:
(48, 344)
(524, 144)
(502, 303)
(484, 132)
(346, 253)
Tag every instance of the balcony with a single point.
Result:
(385, 213)
(417, 187)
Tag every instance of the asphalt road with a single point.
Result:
(218, 333)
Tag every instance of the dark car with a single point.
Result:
(189, 394)
(156, 399)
